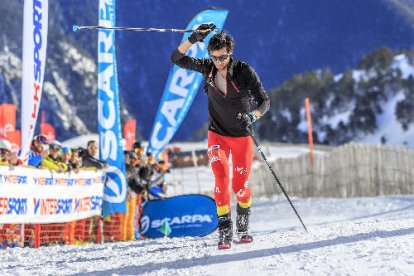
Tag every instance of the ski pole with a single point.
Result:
(278, 182)
(76, 27)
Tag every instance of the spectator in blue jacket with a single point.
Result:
(37, 150)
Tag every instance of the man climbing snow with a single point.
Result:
(236, 99)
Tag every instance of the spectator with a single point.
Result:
(158, 177)
(14, 158)
(38, 150)
(5, 152)
(53, 161)
(88, 156)
(150, 159)
(74, 161)
(127, 160)
(65, 155)
(138, 149)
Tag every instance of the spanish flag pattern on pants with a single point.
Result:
(241, 150)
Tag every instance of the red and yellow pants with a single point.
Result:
(241, 150)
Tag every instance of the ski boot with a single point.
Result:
(225, 229)
(242, 224)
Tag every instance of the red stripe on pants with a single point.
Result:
(241, 150)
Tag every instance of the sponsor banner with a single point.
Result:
(182, 86)
(48, 130)
(35, 26)
(14, 139)
(41, 196)
(7, 119)
(129, 133)
(109, 123)
(187, 215)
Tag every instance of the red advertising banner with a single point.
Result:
(7, 119)
(129, 133)
(14, 138)
(48, 130)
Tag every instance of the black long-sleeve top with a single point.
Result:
(243, 89)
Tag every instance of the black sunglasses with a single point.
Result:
(41, 138)
(55, 147)
(220, 58)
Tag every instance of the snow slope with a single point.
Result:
(361, 236)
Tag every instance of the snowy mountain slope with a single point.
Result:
(361, 236)
(372, 104)
(289, 37)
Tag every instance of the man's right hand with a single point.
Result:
(201, 32)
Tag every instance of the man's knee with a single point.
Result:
(213, 153)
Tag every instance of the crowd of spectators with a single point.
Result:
(144, 174)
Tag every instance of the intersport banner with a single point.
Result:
(109, 124)
(35, 26)
(182, 86)
(30, 195)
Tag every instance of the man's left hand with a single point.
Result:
(246, 119)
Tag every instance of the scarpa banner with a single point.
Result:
(109, 125)
(187, 215)
(35, 26)
(29, 195)
(182, 86)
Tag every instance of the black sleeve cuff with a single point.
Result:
(176, 55)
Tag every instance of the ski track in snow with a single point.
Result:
(358, 236)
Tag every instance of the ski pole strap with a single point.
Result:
(76, 27)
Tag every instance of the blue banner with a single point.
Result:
(182, 86)
(109, 125)
(187, 215)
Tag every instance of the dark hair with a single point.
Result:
(219, 41)
(81, 151)
(136, 145)
(144, 173)
(135, 184)
(90, 142)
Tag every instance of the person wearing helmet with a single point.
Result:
(5, 149)
(53, 161)
(38, 150)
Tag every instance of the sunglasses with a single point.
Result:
(40, 138)
(4, 151)
(220, 58)
(55, 147)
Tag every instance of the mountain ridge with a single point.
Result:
(279, 39)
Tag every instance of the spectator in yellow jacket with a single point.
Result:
(53, 161)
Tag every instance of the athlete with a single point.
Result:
(236, 99)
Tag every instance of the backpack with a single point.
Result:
(239, 83)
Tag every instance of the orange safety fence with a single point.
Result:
(117, 227)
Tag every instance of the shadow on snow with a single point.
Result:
(210, 260)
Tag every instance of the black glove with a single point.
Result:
(246, 119)
(199, 36)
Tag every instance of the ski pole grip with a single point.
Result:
(203, 31)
